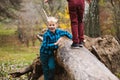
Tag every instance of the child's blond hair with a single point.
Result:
(53, 19)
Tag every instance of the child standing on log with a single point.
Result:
(76, 11)
(50, 43)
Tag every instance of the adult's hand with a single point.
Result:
(89, 1)
(45, 1)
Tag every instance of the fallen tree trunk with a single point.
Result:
(80, 64)
(107, 50)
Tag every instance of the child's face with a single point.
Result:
(52, 26)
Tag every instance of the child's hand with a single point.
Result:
(60, 42)
(56, 43)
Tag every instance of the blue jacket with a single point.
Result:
(49, 38)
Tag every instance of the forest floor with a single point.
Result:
(13, 54)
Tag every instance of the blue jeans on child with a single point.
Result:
(48, 65)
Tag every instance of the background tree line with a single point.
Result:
(102, 18)
(8, 8)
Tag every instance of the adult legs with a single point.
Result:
(74, 23)
(80, 12)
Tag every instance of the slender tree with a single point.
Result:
(116, 10)
(92, 26)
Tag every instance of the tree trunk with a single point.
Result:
(107, 50)
(78, 64)
(81, 64)
(92, 26)
(116, 21)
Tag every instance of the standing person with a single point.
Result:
(50, 43)
(76, 11)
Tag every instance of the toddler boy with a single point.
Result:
(49, 44)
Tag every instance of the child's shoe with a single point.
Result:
(81, 44)
(75, 45)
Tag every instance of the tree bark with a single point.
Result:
(107, 50)
(92, 26)
(80, 64)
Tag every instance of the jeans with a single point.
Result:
(48, 65)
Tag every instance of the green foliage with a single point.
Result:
(118, 75)
(8, 67)
(102, 2)
(13, 55)
(13, 58)
(6, 30)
